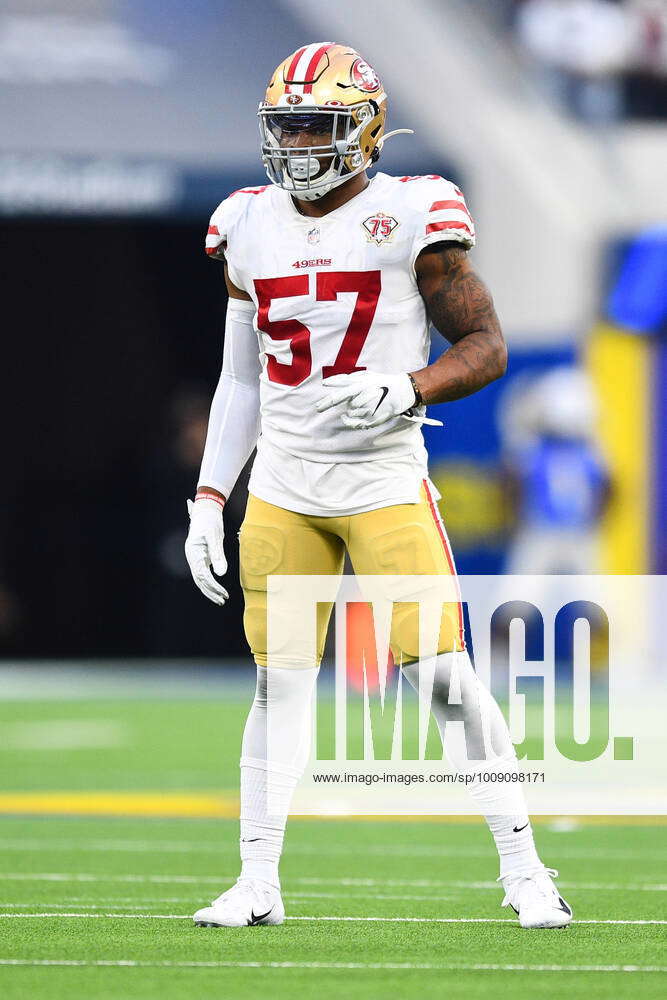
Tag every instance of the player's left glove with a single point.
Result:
(369, 399)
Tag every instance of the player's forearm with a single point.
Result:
(470, 364)
(460, 307)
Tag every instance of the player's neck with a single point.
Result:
(333, 199)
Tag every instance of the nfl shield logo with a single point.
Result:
(380, 227)
(314, 235)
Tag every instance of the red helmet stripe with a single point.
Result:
(295, 62)
(312, 66)
(291, 70)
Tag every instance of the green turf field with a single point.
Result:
(100, 907)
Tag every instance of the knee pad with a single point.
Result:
(403, 551)
(405, 631)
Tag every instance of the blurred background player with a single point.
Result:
(557, 480)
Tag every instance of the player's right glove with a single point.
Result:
(367, 398)
(371, 399)
(204, 547)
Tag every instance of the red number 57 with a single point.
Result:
(366, 284)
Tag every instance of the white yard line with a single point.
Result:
(374, 966)
(89, 877)
(297, 898)
(605, 886)
(390, 920)
(146, 904)
(363, 883)
(105, 906)
(416, 851)
(102, 903)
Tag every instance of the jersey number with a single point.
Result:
(328, 284)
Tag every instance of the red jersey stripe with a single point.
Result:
(437, 227)
(440, 206)
(249, 190)
(421, 177)
(213, 231)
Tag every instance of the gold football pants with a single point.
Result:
(405, 539)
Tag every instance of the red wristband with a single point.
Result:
(205, 495)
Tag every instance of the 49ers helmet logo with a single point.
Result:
(364, 77)
(294, 99)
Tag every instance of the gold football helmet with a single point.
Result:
(326, 90)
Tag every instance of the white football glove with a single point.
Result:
(370, 399)
(204, 548)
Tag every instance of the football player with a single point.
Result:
(334, 279)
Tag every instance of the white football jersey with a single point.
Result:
(335, 295)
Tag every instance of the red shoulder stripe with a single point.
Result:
(257, 190)
(440, 206)
(421, 177)
(438, 227)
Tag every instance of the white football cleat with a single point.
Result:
(248, 903)
(535, 899)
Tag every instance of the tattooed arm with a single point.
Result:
(460, 306)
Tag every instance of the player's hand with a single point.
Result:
(367, 399)
(204, 548)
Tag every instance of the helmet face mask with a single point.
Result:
(331, 156)
(322, 120)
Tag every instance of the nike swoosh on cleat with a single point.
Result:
(518, 829)
(250, 840)
(385, 390)
(564, 906)
(255, 919)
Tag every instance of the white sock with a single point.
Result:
(286, 698)
(501, 803)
